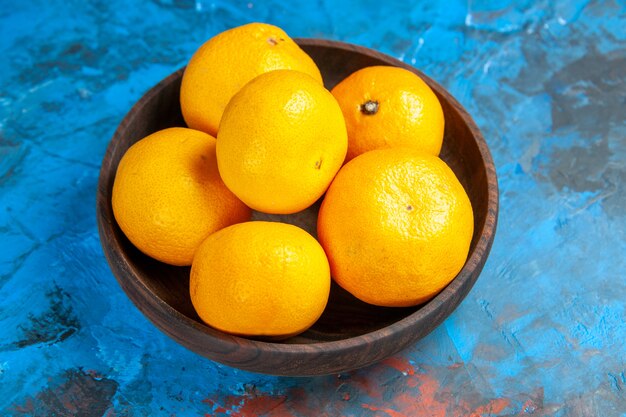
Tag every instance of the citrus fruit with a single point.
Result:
(168, 195)
(260, 278)
(396, 225)
(281, 141)
(387, 107)
(222, 65)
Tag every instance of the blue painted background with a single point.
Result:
(542, 333)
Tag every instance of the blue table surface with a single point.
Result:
(541, 333)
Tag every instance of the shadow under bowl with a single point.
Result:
(350, 334)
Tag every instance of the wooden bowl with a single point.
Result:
(350, 334)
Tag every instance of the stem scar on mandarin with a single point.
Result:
(272, 41)
(369, 108)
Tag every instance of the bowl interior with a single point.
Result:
(345, 316)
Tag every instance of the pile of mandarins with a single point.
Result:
(263, 134)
